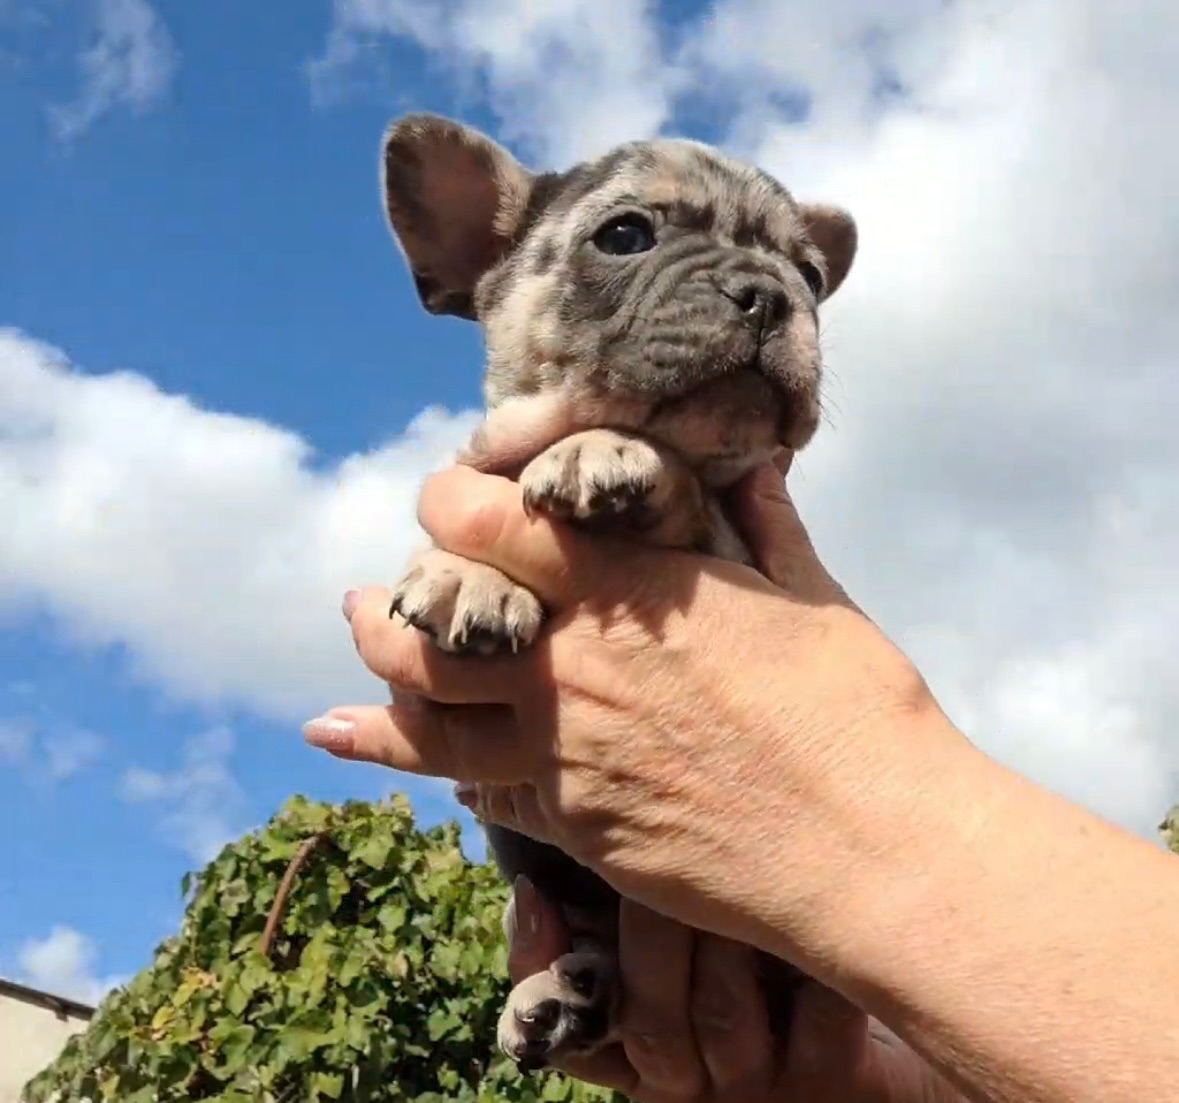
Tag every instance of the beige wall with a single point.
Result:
(30, 1038)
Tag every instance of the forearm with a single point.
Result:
(1023, 946)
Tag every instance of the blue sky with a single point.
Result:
(218, 393)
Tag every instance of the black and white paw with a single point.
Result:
(569, 1009)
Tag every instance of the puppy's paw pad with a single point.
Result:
(466, 607)
(598, 476)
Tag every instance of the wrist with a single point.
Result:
(1009, 936)
(894, 795)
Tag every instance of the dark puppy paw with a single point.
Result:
(568, 1009)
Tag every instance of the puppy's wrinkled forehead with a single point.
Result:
(695, 185)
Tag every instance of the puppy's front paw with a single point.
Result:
(466, 607)
(568, 1009)
(601, 476)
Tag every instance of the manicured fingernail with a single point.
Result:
(526, 911)
(330, 733)
(467, 794)
(349, 603)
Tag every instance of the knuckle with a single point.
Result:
(472, 521)
(715, 1011)
(401, 663)
(497, 804)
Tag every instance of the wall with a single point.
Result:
(31, 1036)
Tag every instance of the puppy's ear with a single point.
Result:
(834, 234)
(454, 199)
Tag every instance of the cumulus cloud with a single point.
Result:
(567, 78)
(64, 963)
(200, 802)
(206, 544)
(129, 62)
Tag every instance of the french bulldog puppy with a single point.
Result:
(651, 328)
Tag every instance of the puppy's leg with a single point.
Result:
(572, 1007)
(604, 478)
(466, 607)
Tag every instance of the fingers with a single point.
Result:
(482, 517)
(516, 807)
(828, 1039)
(401, 656)
(463, 742)
(779, 541)
(728, 1012)
(655, 955)
(536, 932)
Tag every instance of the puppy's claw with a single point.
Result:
(466, 607)
(599, 477)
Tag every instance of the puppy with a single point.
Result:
(651, 329)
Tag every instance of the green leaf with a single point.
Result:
(329, 1085)
(374, 851)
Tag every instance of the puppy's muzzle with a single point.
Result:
(759, 301)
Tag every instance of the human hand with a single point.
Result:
(668, 688)
(694, 1026)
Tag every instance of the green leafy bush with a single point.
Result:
(379, 979)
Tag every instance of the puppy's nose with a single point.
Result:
(761, 300)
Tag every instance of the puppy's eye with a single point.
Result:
(814, 278)
(626, 235)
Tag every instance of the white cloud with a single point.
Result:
(201, 803)
(71, 751)
(63, 963)
(130, 62)
(568, 77)
(204, 543)
(48, 753)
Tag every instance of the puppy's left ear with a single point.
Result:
(454, 199)
(833, 231)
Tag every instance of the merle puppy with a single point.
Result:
(652, 334)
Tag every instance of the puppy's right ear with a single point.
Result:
(454, 199)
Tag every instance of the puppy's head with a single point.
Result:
(664, 271)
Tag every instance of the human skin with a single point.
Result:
(752, 757)
(695, 1028)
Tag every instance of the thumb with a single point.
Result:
(775, 534)
(536, 931)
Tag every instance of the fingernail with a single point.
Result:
(526, 913)
(330, 733)
(349, 603)
(467, 794)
